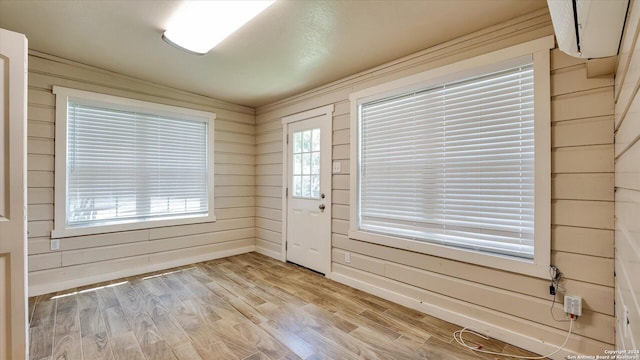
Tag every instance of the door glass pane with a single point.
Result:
(297, 186)
(306, 186)
(306, 164)
(315, 186)
(297, 164)
(306, 140)
(315, 140)
(297, 143)
(315, 163)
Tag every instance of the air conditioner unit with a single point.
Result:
(588, 28)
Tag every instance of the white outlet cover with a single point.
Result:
(573, 305)
(337, 166)
(55, 244)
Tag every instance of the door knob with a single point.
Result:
(321, 207)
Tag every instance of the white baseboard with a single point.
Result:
(270, 253)
(78, 280)
(497, 332)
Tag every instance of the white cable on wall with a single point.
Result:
(457, 335)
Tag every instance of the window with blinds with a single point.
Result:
(452, 164)
(132, 164)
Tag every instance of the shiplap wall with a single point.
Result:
(627, 170)
(514, 306)
(87, 259)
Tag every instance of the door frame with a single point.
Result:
(327, 113)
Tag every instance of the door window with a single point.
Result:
(306, 164)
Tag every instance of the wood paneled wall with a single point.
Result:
(627, 197)
(87, 259)
(512, 307)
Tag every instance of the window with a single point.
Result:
(456, 164)
(124, 164)
(306, 164)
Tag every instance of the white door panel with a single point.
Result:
(308, 180)
(13, 283)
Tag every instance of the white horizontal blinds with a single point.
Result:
(125, 166)
(453, 164)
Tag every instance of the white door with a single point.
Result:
(308, 194)
(13, 152)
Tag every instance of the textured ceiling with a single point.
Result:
(293, 46)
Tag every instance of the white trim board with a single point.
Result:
(267, 252)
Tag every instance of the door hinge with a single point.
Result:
(286, 245)
(286, 192)
(287, 139)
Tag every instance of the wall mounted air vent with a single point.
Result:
(588, 28)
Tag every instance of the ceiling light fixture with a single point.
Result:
(199, 25)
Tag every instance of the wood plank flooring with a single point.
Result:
(243, 307)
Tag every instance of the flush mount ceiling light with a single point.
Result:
(199, 25)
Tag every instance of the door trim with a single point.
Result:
(327, 113)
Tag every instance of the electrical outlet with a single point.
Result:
(55, 244)
(337, 166)
(347, 257)
(573, 305)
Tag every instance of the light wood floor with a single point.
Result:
(243, 307)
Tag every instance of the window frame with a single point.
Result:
(539, 50)
(63, 96)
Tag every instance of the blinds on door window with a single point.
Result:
(452, 164)
(126, 166)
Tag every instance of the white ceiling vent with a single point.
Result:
(588, 28)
